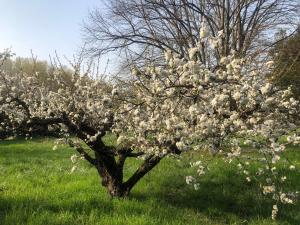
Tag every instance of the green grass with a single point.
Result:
(36, 187)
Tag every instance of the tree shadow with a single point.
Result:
(220, 199)
(29, 206)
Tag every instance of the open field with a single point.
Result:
(37, 188)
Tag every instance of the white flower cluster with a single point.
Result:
(82, 100)
(186, 105)
(192, 181)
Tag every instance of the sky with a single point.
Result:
(43, 26)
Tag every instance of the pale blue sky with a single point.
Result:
(43, 26)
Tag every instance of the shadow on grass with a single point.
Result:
(25, 208)
(218, 200)
(231, 196)
(222, 199)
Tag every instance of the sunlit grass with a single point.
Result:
(36, 187)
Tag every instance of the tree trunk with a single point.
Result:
(116, 189)
(114, 186)
(111, 174)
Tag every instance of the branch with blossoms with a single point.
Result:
(82, 107)
(196, 108)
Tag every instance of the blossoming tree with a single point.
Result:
(187, 106)
(84, 107)
(184, 105)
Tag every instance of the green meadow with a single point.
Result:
(37, 188)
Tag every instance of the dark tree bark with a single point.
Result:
(5, 126)
(111, 174)
(110, 161)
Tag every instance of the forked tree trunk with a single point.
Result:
(115, 187)
(113, 184)
(111, 174)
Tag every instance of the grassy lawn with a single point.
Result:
(36, 187)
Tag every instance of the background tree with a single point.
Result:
(286, 57)
(145, 29)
